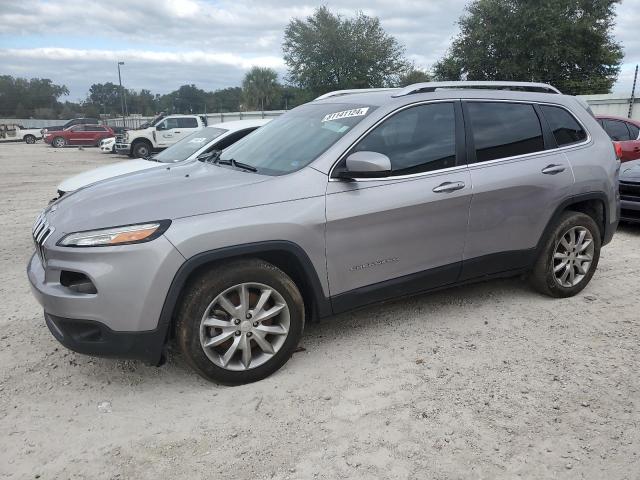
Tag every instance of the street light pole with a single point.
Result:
(121, 93)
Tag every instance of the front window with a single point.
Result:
(297, 138)
(188, 145)
(417, 139)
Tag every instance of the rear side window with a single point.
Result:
(634, 131)
(564, 126)
(502, 130)
(618, 131)
(417, 139)
(187, 123)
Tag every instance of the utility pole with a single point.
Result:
(633, 93)
(121, 93)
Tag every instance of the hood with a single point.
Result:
(630, 171)
(83, 179)
(176, 191)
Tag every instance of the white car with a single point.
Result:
(205, 141)
(108, 145)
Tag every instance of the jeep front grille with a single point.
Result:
(41, 232)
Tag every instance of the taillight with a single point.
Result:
(618, 148)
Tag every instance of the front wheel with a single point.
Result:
(59, 142)
(240, 322)
(569, 257)
(141, 150)
(30, 139)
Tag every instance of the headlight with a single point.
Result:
(123, 235)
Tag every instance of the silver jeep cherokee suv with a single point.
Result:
(354, 198)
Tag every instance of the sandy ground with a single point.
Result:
(485, 381)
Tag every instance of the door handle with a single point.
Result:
(177, 131)
(553, 169)
(448, 187)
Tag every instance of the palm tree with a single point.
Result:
(260, 87)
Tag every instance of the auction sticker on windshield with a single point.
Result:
(355, 112)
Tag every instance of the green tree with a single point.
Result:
(260, 88)
(25, 96)
(413, 75)
(105, 98)
(328, 52)
(225, 100)
(567, 43)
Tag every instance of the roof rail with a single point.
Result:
(486, 85)
(338, 93)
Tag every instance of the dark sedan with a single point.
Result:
(630, 191)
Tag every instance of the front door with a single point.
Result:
(79, 135)
(405, 232)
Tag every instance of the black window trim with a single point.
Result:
(549, 140)
(460, 139)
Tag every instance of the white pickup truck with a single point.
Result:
(160, 135)
(16, 133)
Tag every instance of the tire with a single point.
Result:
(201, 302)
(59, 142)
(141, 149)
(30, 139)
(562, 268)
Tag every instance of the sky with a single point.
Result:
(168, 43)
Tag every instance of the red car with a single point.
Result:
(79, 135)
(625, 132)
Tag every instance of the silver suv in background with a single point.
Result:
(354, 198)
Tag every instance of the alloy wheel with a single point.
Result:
(573, 256)
(244, 326)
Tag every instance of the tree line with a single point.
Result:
(567, 43)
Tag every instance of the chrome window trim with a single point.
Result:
(540, 152)
(392, 177)
(468, 165)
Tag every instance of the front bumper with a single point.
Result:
(94, 338)
(123, 148)
(120, 318)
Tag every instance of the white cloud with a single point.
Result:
(166, 43)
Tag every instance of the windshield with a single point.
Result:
(295, 139)
(188, 145)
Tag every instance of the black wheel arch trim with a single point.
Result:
(609, 227)
(321, 304)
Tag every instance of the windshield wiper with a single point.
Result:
(236, 164)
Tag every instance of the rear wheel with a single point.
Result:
(569, 257)
(59, 142)
(240, 322)
(30, 139)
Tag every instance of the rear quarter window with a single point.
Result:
(566, 129)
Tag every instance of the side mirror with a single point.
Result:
(365, 165)
(161, 127)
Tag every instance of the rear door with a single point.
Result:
(186, 126)
(405, 232)
(518, 177)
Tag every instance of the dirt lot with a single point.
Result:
(486, 381)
